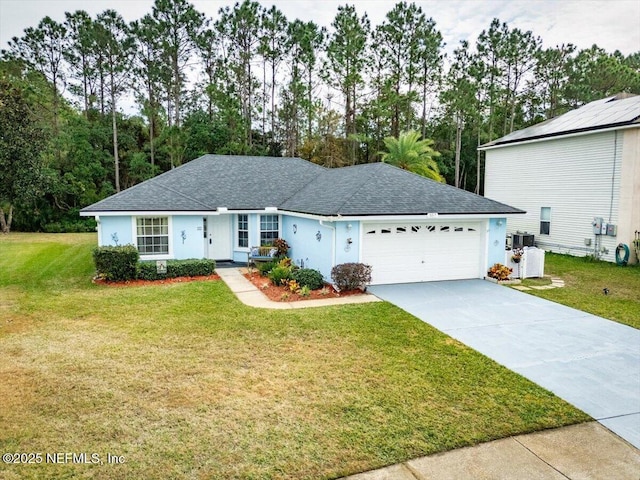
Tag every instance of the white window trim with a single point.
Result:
(547, 221)
(134, 232)
(237, 230)
(259, 230)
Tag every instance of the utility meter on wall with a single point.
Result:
(597, 226)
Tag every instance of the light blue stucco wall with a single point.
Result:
(347, 252)
(187, 238)
(115, 231)
(305, 248)
(496, 241)
(122, 229)
(239, 253)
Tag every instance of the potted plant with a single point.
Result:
(517, 255)
(282, 247)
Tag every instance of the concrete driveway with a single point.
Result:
(591, 362)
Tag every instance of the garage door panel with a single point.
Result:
(422, 251)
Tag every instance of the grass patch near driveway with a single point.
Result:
(585, 281)
(536, 282)
(184, 381)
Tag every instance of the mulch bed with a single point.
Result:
(140, 283)
(283, 294)
(277, 294)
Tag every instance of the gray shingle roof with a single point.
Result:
(293, 184)
(619, 110)
(381, 189)
(212, 181)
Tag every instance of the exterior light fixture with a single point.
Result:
(295, 228)
(318, 236)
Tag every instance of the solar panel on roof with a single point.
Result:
(595, 115)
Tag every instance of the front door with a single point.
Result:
(217, 230)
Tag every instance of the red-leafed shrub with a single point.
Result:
(349, 276)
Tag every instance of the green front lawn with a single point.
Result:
(184, 381)
(585, 281)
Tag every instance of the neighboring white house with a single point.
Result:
(570, 170)
(407, 227)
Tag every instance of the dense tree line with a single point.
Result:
(252, 81)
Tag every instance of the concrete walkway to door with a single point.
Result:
(591, 362)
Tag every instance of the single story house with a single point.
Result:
(407, 227)
(576, 175)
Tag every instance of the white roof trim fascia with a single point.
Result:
(167, 213)
(557, 137)
(423, 218)
(145, 213)
(326, 218)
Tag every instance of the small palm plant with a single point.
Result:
(410, 153)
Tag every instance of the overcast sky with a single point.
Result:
(612, 25)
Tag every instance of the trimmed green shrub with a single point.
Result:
(82, 226)
(176, 268)
(265, 267)
(278, 274)
(116, 263)
(55, 227)
(307, 277)
(349, 276)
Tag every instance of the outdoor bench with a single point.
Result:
(261, 254)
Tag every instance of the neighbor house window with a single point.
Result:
(269, 229)
(243, 230)
(152, 235)
(545, 220)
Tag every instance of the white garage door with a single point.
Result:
(419, 252)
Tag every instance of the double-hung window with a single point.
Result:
(545, 220)
(243, 230)
(269, 229)
(152, 235)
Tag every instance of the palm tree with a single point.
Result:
(410, 153)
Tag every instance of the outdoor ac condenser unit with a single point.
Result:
(521, 240)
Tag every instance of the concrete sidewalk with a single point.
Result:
(248, 294)
(586, 451)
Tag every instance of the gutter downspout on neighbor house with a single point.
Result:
(613, 174)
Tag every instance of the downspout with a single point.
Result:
(99, 230)
(613, 174)
(333, 242)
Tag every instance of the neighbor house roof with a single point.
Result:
(295, 185)
(618, 111)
